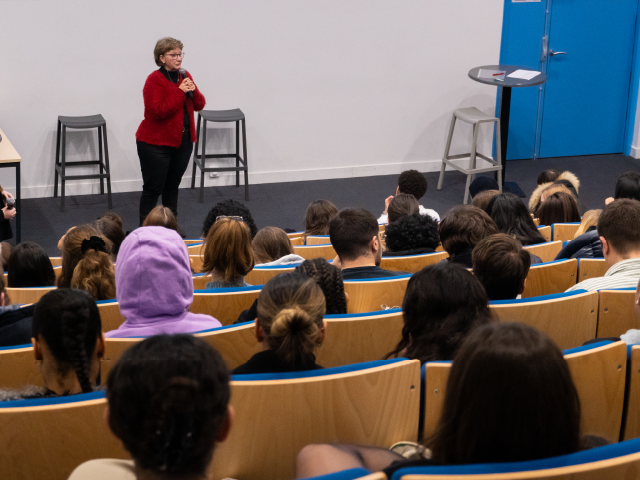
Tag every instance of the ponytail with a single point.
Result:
(74, 331)
(95, 273)
(329, 278)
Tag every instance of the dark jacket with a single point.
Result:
(15, 325)
(413, 251)
(267, 362)
(587, 245)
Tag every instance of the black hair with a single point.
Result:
(513, 218)
(443, 303)
(413, 182)
(329, 278)
(68, 322)
(29, 266)
(412, 231)
(548, 176)
(168, 398)
(350, 232)
(229, 208)
(628, 186)
(509, 398)
(110, 229)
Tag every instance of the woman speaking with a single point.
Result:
(166, 135)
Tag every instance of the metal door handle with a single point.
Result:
(552, 53)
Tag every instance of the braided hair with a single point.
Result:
(168, 398)
(329, 278)
(68, 321)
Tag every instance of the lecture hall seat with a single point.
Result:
(412, 263)
(373, 294)
(591, 268)
(261, 275)
(309, 252)
(616, 314)
(552, 277)
(564, 231)
(546, 251)
(24, 296)
(224, 304)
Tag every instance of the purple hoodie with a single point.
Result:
(154, 286)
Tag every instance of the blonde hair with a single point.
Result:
(72, 251)
(270, 244)
(163, 46)
(95, 275)
(291, 309)
(161, 216)
(227, 249)
(589, 219)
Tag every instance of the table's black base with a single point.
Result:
(513, 187)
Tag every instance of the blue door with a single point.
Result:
(582, 109)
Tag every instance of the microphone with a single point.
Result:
(183, 72)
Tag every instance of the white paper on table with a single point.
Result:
(524, 74)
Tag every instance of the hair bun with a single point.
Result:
(290, 321)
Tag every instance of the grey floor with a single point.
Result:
(284, 204)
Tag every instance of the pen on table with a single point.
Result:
(497, 74)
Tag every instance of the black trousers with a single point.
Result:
(162, 169)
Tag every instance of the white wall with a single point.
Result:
(332, 88)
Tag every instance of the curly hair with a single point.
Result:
(72, 251)
(329, 278)
(96, 275)
(413, 183)
(229, 208)
(412, 231)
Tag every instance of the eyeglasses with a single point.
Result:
(174, 55)
(220, 217)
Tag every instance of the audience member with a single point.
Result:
(566, 179)
(15, 320)
(354, 236)
(443, 303)
(627, 186)
(290, 325)
(161, 216)
(154, 286)
(229, 208)
(548, 176)
(319, 214)
(509, 398)
(227, 253)
(619, 231)
(411, 235)
(586, 242)
(72, 252)
(482, 199)
(402, 205)
(482, 184)
(111, 228)
(501, 265)
(511, 217)
(461, 229)
(95, 272)
(413, 183)
(329, 279)
(6, 249)
(588, 222)
(68, 342)
(558, 208)
(271, 246)
(169, 404)
(29, 266)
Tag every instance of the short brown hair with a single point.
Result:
(319, 214)
(482, 199)
(501, 265)
(619, 224)
(163, 46)
(402, 204)
(270, 244)
(463, 227)
(227, 249)
(161, 216)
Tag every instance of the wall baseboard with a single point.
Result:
(255, 178)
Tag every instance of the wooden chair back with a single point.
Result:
(545, 231)
(318, 240)
(261, 275)
(631, 422)
(309, 252)
(616, 313)
(598, 373)
(375, 294)
(200, 281)
(375, 406)
(196, 248)
(550, 278)
(295, 234)
(191, 241)
(297, 241)
(110, 315)
(18, 367)
(359, 338)
(50, 440)
(564, 231)
(224, 304)
(196, 262)
(24, 296)
(568, 319)
(546, 251)
(591, 268)
(57, 271)
(412, 263)
(55, 261)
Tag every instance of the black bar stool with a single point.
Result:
(91, 121)
(221, 116)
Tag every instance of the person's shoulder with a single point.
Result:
(103, 469)
(155, 77)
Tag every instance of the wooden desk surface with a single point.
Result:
(7, 152)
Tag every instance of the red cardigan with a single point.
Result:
(163, 111)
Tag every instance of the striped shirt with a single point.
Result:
(624, 274)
